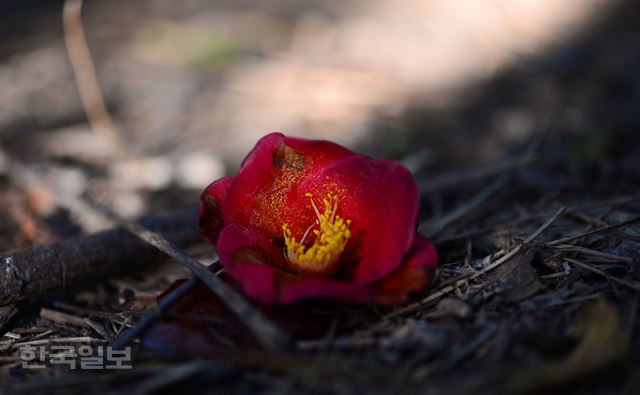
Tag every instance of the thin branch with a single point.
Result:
(265, 332)
(77, 261)
(58, 340)
(85, 74)
(594, 231)
(628, 284)
(501, 226)
(589, 251)
(450, 180)
(162, 307)
(430, 229)
(446, 290)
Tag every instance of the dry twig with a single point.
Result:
(589, 251)
(449, 180)
(501, 226)
(628, 284)
(265, 332)
(76, 261)
(62, 318)
(448, 289)
(565, 240)
(85, 73)
(163, 306)
(431, 229)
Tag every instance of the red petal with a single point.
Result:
(211, 201)
(265, 192)
(412, 276)
(381, 199)
(251, 258)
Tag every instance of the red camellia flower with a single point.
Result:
(307, 219)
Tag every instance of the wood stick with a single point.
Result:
(431, 229)
(450, 180)
(594, 231)
(77, 261)
(412, 307)
(150, 316)
(629, 284)
(84, 72)
(599, 254)
(269, 335)
(505, 225)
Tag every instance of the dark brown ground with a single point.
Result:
(559, 128)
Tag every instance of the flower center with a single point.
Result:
(321, 257)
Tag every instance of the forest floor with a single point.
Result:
(529, 189)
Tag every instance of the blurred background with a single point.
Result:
(191, 86)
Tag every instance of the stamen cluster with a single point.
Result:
(320, 257)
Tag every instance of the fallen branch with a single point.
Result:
(594, 231)
(77, 261)
(413, 307)
(150, 316)
(599, 254)
(632, 285)
(269, 335)
(450, 180)
(431, 229)
(84, 72)
(575, 210)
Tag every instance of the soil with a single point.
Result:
(528, 172)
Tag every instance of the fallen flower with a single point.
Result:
(307, 219)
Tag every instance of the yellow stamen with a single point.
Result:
(321, 257)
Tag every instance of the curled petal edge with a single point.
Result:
(211, 202)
